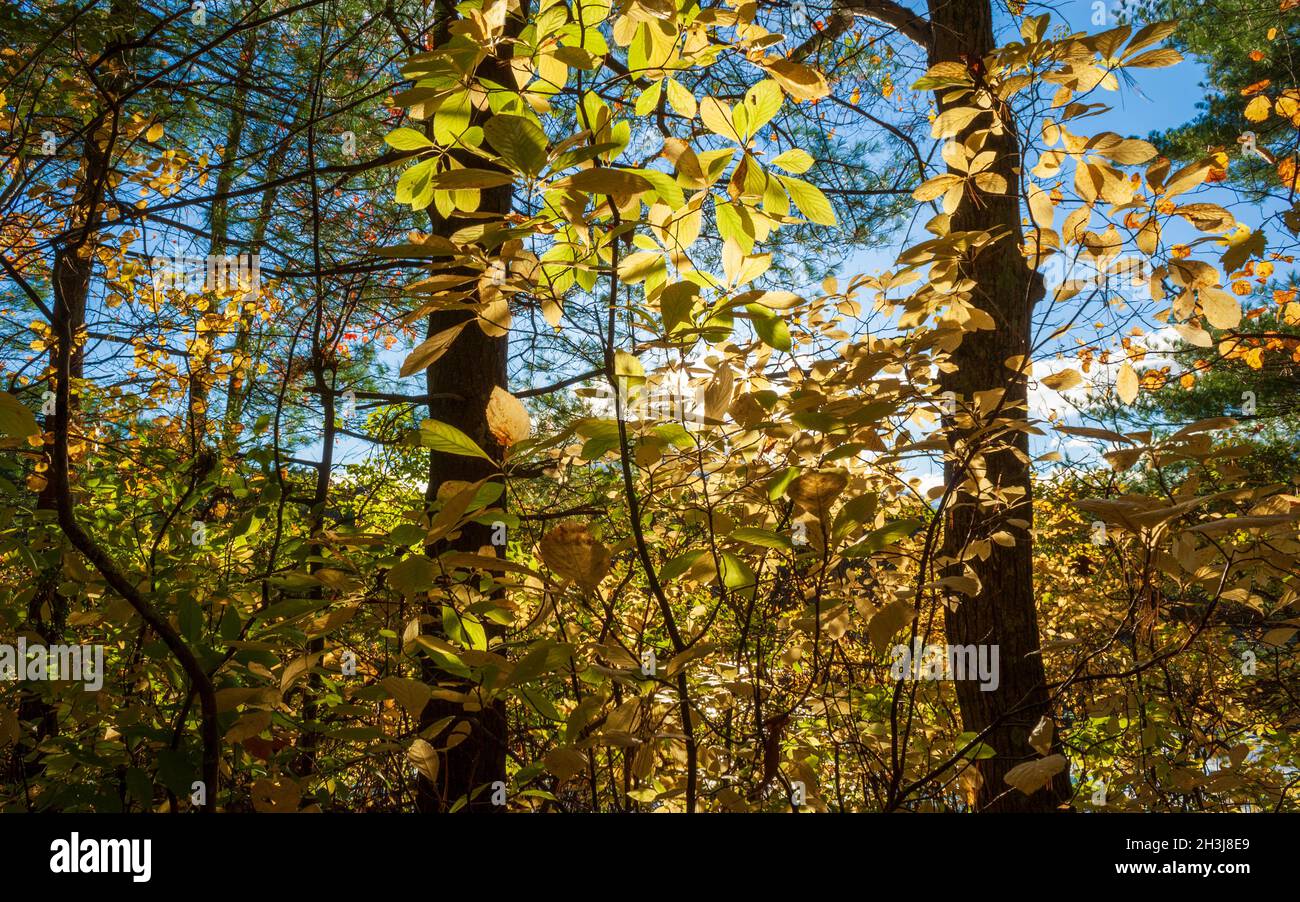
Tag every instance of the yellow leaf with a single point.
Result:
(494, 319)
(815, 491)
(1062, 381)
(888, 621)
(430, 350)
(1126, 384)
(950, 122)
(507, 418)
(1040, 740)
(717, 118)
(681, 99)
(425, 759)
(572, 552)
(1040, 207)
(1222, 310)
(1035, 775)
(799, 81)
(410, 694)
(275, 795)
(935, 187)
(155, 132)
(1258, 109)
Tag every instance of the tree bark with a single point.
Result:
(459, 385)
(1003, 612)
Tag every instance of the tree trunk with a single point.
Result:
(469, 370)
(1003, 612)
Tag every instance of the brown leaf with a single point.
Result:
(888, 621)
(814, 492)
(1040, 740)
(425, 759)
(277, 795)
(430, 350)
(571, 551)
(507, 418)
(1035, 775)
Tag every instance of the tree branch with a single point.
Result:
(913, 26)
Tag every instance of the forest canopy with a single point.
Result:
(648, 405)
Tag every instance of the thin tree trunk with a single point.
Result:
(1003, 612)
(473, 365)
(200, 377)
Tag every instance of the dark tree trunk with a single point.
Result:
(469, 370)
(70, 275)
(473, 365)
(1003, 612)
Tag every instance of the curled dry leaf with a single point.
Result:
(717, 397)
(275, 795)
(425, 759)
(572, 552)
(1040, 740)
(1035, 775)
(507, 418)
(1062, 381)
(814, 492)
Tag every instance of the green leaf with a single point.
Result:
(770, 327)
(464, 628)
(796, 161)
(15, 418)
(978, 751)
(414, 183)
(448, 439)
(888, 534)
(679, 565)
(735, 573)
(762, 102)
(764, 538)
(649, 99)
(459, 179)
(809, 199)
(665, 186)
(519, 141)
(776, 488)
(533, 664)
(411, 575)
(676, 303)
(407, 139)
(734, 224)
